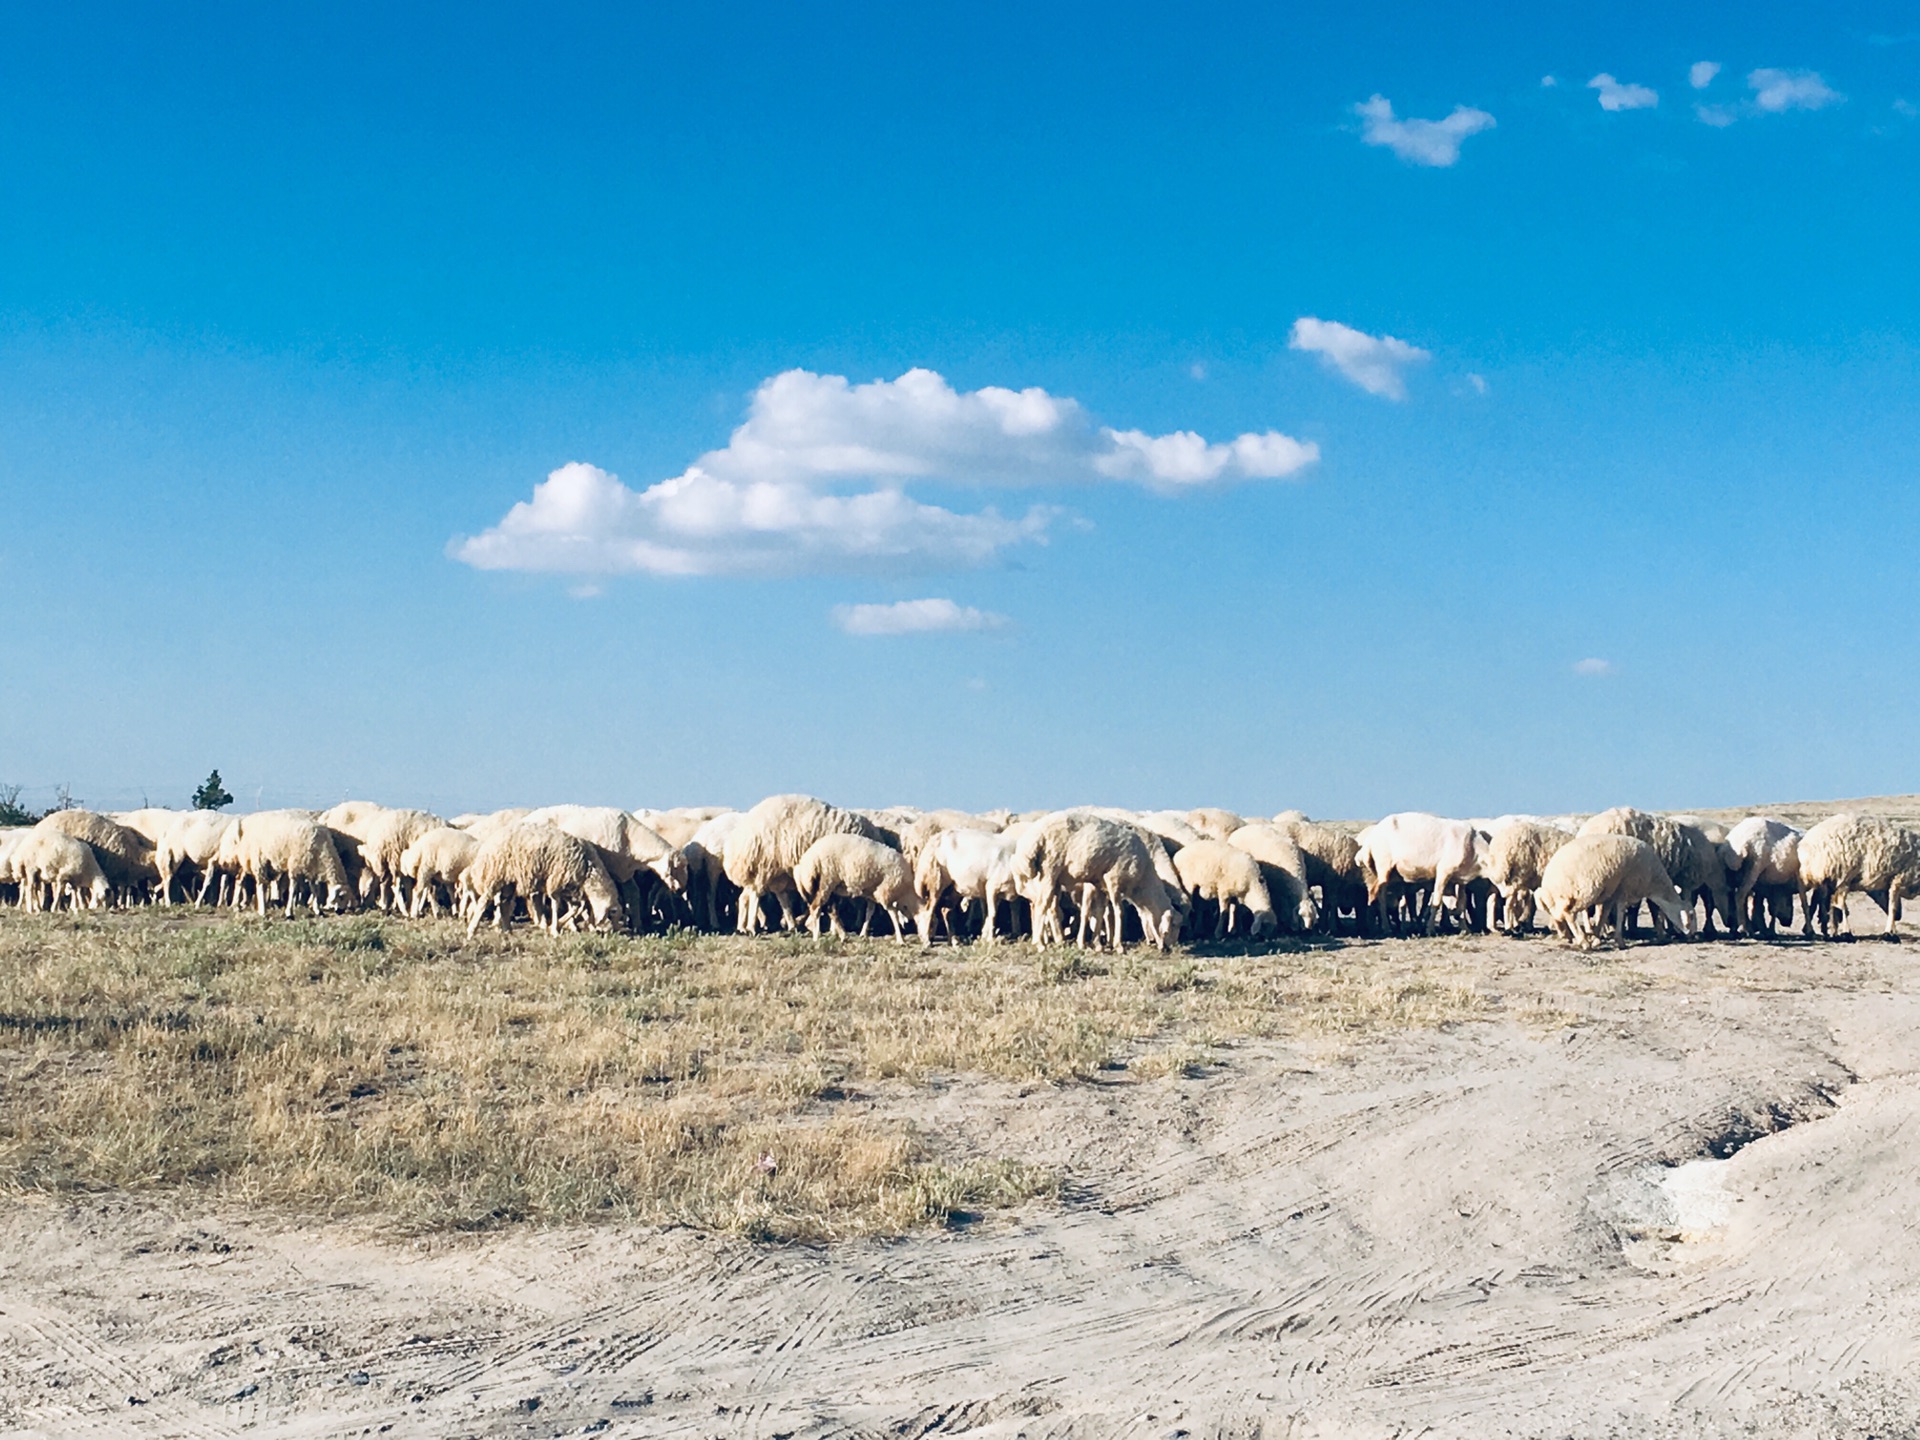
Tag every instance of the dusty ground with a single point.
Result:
(1670, 1191)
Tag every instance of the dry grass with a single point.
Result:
(398, 1071)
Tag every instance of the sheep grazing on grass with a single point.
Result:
(860, 869)
(1766, 872)
(1084, 857)
(1696, 863)
(635, 855)
(548, 870)
(1607, 874)
(1283, 866)
(1517, 856)
(275, 849)
(768, 842)
(153, 821)
(125, 856)
(971, 866)
(707, 881)
(1230, 877)
(185, 851)
(1417, 849)
(383, 837)
(435, 864)
(1332, 857)
(1844, 853)
(482, 826)
(55, 871)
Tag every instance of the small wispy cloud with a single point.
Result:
(1478, 382)
(1593, 665)
(1548, 82)
(1619, 95)
(1777, 91)
(914, 617)
(1420, 142)
(1376, 363)
(1700, 74)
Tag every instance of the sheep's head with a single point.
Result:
(1265, 922)
(671, 867)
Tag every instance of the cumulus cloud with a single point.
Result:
(914, 617)
(1618, 95)
(1700, 74)
(1776, 91)
(1419, 142)
(1593, 665)
(814, 481)
(1373, 362)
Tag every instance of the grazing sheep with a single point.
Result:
(1696, 863)
(125, 856)
(1607, 873)
(706, 875)
(349, 815)
(384, 836)
(1083, 856)
(436, 863)
(1414, 848)
(482, 826)
(1283, 865)
(153, 822)
(1517, 856)
(972, 865)
(187, 847)
(768, 842)
(547, 869)
(634, 853)
(1171, 826)
(860, 869)
(1766, 871)
(56, 871)
(1229, 876)
(1332, 859)
(273, 848)
(1844, 853)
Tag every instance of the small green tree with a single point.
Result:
(12, 812)
(212, 794)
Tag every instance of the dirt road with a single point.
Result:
(1669, 1192)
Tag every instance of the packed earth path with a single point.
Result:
(1667, 1190)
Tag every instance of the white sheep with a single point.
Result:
(706, 874)
(1608, 873)
(1284, 868)
(1414, 848)
(1229, 876)
(1213, 823)
(435, 863)
(384, 836)
(1517, 854)
(974, 865)
(1332, 858)
(1077, 855)
(274, 848)
(187, 846)
(1844, 853)
(55, 871)
(125, 855)
(767, 843)
(1766, 871)
(859, 869)
(633, 852)
(547, 869)
(1695, 862)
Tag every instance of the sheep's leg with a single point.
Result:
(1893, 907)
(1433, 900)
(866, 916)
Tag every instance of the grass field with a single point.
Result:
(397, 1071)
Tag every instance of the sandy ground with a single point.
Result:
(1673, 1191)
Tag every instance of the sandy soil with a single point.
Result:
(1673, 1192)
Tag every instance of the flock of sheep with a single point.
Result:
(1101, 875)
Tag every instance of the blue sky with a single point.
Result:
(297, 303)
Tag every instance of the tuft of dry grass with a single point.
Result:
(402, 1072)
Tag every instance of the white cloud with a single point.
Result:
(1592, 665)
(1718, 116)
(1420, 142)
(1373, 362)
(1775, 91)
(1700, 74)
(913, 617)
(1548, 82)
(1617, 95)
(813, 481)
(1478, 382)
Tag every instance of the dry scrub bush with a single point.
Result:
(409, 1074)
